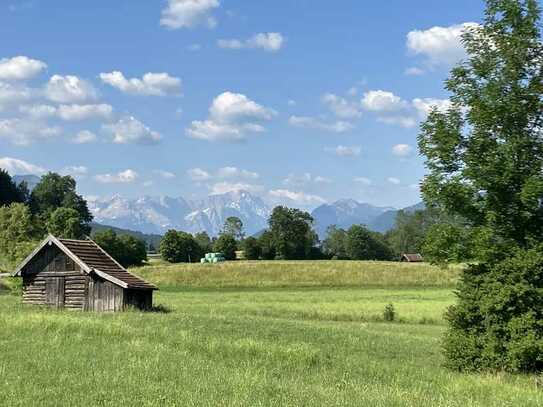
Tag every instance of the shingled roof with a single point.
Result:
(92, 258)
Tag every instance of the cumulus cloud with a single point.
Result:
(234, 172)
(414, 71)
(69, 89)
(232, 116)
(271, 42)
(297, 197)
(20, 68)
(198, 174)
(153, 84)
(439, 46)
(19, 167)
(224, 187)
(165, 174)
(38, 111)
(314, 123)
(84, 137)
(13, 94)
(341, 107)
(189, 13)
(76, 171)
(402, 150)
(24, 132)
(382, 101)
(425, 105)
(123, 177)
(345, 151)
(84, 112)
(363, 180)
(129, 130)
(305, 180)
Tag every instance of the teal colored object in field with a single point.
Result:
(213, 258)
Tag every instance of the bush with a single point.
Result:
(389, 313)
(251, 248)
(498, 321)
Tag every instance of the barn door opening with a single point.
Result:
(54, 292)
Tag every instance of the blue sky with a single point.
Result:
(300, 102)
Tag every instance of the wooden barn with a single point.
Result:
(80, 275)
(412, 258)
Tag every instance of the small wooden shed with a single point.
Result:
(80, 275)
(412, 258)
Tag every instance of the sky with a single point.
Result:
(298, 101)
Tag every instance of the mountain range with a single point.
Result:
(155, 215)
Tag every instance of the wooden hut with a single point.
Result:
(80, 275)
(411, 258)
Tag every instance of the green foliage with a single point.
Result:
(389, 313)
(251, 248)
(16, 233)
(55, 191)
(498, 321)
(179, 247)
(362, 244)
(126, 249)
(447, 243)
(204, 242)
(233, 226)
(291, 233)
(66, 223)
(227, 245)
(267, 247)
(484, 157)
(334, 246)
(9, 191)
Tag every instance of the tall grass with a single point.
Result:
(299, 274)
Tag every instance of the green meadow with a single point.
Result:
(253, 334)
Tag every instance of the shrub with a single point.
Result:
(227, 245)
(498, 321)
(251, 248)
(389, 313)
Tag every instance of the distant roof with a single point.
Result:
(414, 257)
(92, 258)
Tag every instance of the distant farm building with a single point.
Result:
(80, 275)
(411, 258)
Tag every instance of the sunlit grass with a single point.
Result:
(236, 340)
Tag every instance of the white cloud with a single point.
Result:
(38, 111)
(394, 180)
(440, 46)
(305, 180)
(198, 174)
(363, 180)
(84, 137)
(300, 198)
(84, 112)
(234, 172)
(24, 132)
(402, 121)
(271, 42)
(232, 116)
(20, 68)
(69, 89)
(224, 187)
(189, 13)
(123, 177)
(11, 94)
(76, 171)
(165, 174)
(314, 123)
(345, 151)
(382, 101)
(402, 150)
(153, 84)
(129, 130)
(19, 167)
(424, 106)
(341, 107)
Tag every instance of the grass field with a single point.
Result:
(252, 334)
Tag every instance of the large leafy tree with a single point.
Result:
(363, 244)
(66, 223)
(292, 233)
(227, 245)
(179, 247)
(233, 226)
(485, 160)
(11, 192)
(56, 191)
(127, 250)
(16, 233)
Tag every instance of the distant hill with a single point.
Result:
(149, 239)
(386, 220)
(31, 180)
